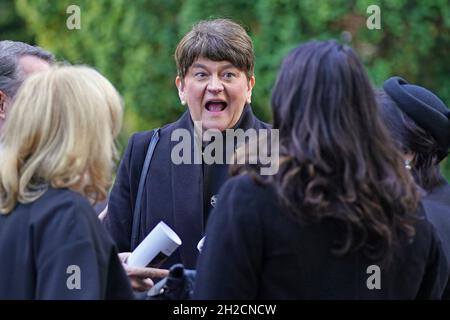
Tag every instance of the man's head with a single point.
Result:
(17, 61)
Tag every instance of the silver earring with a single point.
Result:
(408, 164)
(183, 102)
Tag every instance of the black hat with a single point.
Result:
(423, 107)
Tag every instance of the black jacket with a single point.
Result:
(254, 250)
(437, 209)
(173, 193)
(46, 244)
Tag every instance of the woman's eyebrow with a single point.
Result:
(199, 65)
(226, 66)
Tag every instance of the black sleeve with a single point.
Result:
(230, 262)
(75, 259)
(119, 218)
(118, 285)
(446, 294)
(436, 275)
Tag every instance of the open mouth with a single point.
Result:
(215, 106)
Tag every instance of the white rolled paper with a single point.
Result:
(162, 240)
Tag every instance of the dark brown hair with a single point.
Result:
(410, 138)
(337, 161)
(217, 40)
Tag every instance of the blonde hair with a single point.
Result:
(60, 133)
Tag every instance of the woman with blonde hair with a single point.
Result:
(57, 157)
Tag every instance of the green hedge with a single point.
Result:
(132, 42)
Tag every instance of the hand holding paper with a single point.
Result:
(141, 278)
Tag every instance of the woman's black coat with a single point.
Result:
(173, 192)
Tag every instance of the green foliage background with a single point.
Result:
(132, 42)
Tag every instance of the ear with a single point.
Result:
(250, 85)
(180, 85)
(409, 156)
(3, 98)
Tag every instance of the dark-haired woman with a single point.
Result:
(340, 219)
(419, 123)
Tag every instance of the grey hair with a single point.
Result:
(11, 76)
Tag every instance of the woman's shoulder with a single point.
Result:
(246, 185)
(440, 194)
(140, 140)
(60, 203)
(426, 235)
(64, 196)
(64, 214)
(248, 195)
